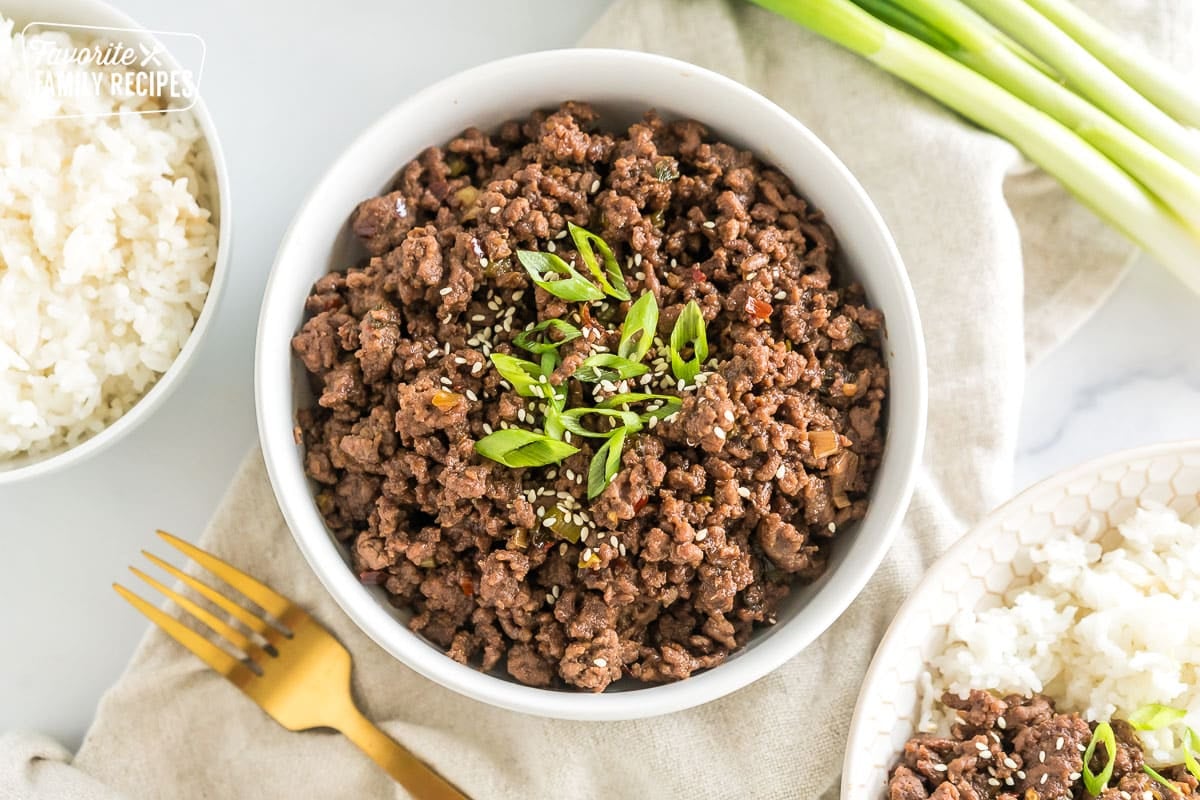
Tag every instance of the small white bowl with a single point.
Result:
(96, 13)
(980, 568)
(622, 85)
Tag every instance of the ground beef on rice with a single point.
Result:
(715, 513)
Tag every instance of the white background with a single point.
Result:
(289, 88)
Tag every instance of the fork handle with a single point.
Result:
(409, 771)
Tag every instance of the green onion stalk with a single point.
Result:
(965, 36)
(1156, 82)
(1091, 78)
(1098, 182)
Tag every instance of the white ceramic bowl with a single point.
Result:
(622, 85)
(980, 568)
(212, 162)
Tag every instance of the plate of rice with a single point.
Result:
(1066, 623)
(114, 241)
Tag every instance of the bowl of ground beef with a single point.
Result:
(590, 384)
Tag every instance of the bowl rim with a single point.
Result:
(955, 554)
(273, 395)
(166, 384)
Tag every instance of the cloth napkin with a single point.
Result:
(1004, 265)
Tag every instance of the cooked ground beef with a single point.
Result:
(1021, 748)
(715, 512)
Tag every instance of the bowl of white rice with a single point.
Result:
(1085, 588)
(114, 236)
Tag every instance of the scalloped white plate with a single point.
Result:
(976, 572)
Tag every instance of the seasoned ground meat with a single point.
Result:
(1021, 748)
(714, 512)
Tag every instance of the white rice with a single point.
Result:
(1110, 623)
(105, 255)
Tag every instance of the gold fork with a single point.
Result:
(292, 667)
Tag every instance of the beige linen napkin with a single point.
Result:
(1003, 264)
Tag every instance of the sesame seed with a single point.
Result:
(494, 210)
(556, 590)
(637, 259)
(553, 473)
(570, 473)
(445, 290)
(521, 414)
(832, 527)
(940, 767)
(1042, 756)
(641, 276)
(743, 492)
(459, 360)
(1059, 743)
(434, 353)
(550, 247)
(701, 534)
(652, 423)
(487, 429)
(1045, 777)
(781, 295)
(477, 368)
(993, 782)
(562, 549)
(600, 662)
(779, 473)
(1001, 724)
(621, 549)
(595, 186)
(541, 512)
(1075, 776)
(710, 224)
(751, 276)
(1008, 762)
(518, 294)
(550, 599)
(478, 317)
(550, 522)
(561, 234)
(474, 398)
(587, 554)
(613, 541)
(445, 381)
(719, 432)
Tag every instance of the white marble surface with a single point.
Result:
(1131, 376)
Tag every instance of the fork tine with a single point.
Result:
(243, 616)
(217, 625)
(205, 650)
(267, 599)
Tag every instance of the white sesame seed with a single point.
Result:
(562, 549)
(940, 767)
(494, 210)
(751, 275)
(518, 294)
(556, 590)
(561, 234)
(1001, 724)
(779, 473)
(637, 259)
(550, 599)
(1045, 777)
(483, 262)
(710, 224)
(621, 550)
(459, 360)
(743, 492)
(477, 368)
(570, 473)
(541, 512)
(652, 423)
(553, 473)
(1058, 745)
(550, 522)
(600, 662)
(832, 527)
(487, 429)
(1008, 762)
(478, 317)
(613, 541)
(434, 353)
(474, 398)
(445, 290)
(719, 432)
(550, 247)
(445, 381)
(595, 186)
(1042, 756)
(781, 295)
(701, 534)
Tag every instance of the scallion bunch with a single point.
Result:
(1113, 125)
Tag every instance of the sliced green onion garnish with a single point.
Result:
(1155, 716)
(608, 367)
(609, 276)
(605, 464)
(525, 376)
(637, 332)
(670, 403)
(531, 341)
(1191, 743)
(514, 447)
(572, 286)
(1098, 783)
(689, 330)
(572, 420)
(1165, 782)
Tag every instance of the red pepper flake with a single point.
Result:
(698, 275)
(372, 577)
(640, 503)
(468, 587)
(758, 309)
